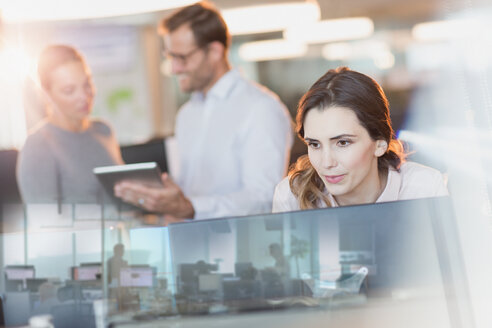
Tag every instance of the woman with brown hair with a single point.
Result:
(353, 155)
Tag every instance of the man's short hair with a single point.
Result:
(204, 20)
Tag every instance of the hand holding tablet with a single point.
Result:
(143, 185)
(147, 174)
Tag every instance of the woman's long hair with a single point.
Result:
(342, 87)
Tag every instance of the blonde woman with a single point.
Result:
(56, 162)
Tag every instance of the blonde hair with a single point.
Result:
(54, 56)
(306, 184)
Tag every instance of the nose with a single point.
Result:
(177, 66)
(328, 160)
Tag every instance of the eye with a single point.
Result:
(344, 143)
(313, 144)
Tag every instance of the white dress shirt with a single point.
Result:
(411, 182)
(234, 146)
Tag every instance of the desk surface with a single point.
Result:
(412, 313)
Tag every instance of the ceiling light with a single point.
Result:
(337, 51)
(354, 50)
(331, 30)
(378, 51)
(271, 50)
(444, 30)
(20, 11)
(269, 18)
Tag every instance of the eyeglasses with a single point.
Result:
(181, 59)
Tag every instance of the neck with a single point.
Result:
(221, 69)
(69, 125)
(369, 193)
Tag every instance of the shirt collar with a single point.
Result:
(390, 192)
(392, 189)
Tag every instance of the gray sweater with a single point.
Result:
(56, 165)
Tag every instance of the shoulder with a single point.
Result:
(283, 198)
(37, 150)
(415, 170)
(259, 94)
(261, 107)
(101, 127)
(37, 138)
(421, 180)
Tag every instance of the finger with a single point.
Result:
(139, 190)
(131, 197)
(167, 181)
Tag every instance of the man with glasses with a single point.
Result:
(233, 136)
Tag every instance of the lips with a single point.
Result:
(334, 179)
(85, 108)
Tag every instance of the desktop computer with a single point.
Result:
(137, 276)
(19, 271)
(86, 272)
(16, 276)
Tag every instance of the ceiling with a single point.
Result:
(392, 14)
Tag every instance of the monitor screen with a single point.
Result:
(137, 277)
(209, 282)
(19, 273)
(87, 272)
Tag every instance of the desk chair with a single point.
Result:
(2, 317)
(10, 190)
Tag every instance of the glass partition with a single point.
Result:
(89, 265)
(403, 257)
(51, 262)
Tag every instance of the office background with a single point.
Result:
(432, 58)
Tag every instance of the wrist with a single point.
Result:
(186, 211)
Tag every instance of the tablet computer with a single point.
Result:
(147, 173)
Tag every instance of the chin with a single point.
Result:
(336, 190)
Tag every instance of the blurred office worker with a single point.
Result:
(57, 159)
(115, 263)
(234, 136)
(353, 155)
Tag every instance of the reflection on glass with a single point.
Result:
(397, 254)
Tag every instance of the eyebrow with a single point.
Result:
(334, 138)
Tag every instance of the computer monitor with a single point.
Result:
(243, 269)
(14, 285)
(32, 285)
(19, 272)
(187, 272)
(86, 272)
(209, 282)
(137, 276)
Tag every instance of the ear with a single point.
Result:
(216, 50)
(381, 147)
